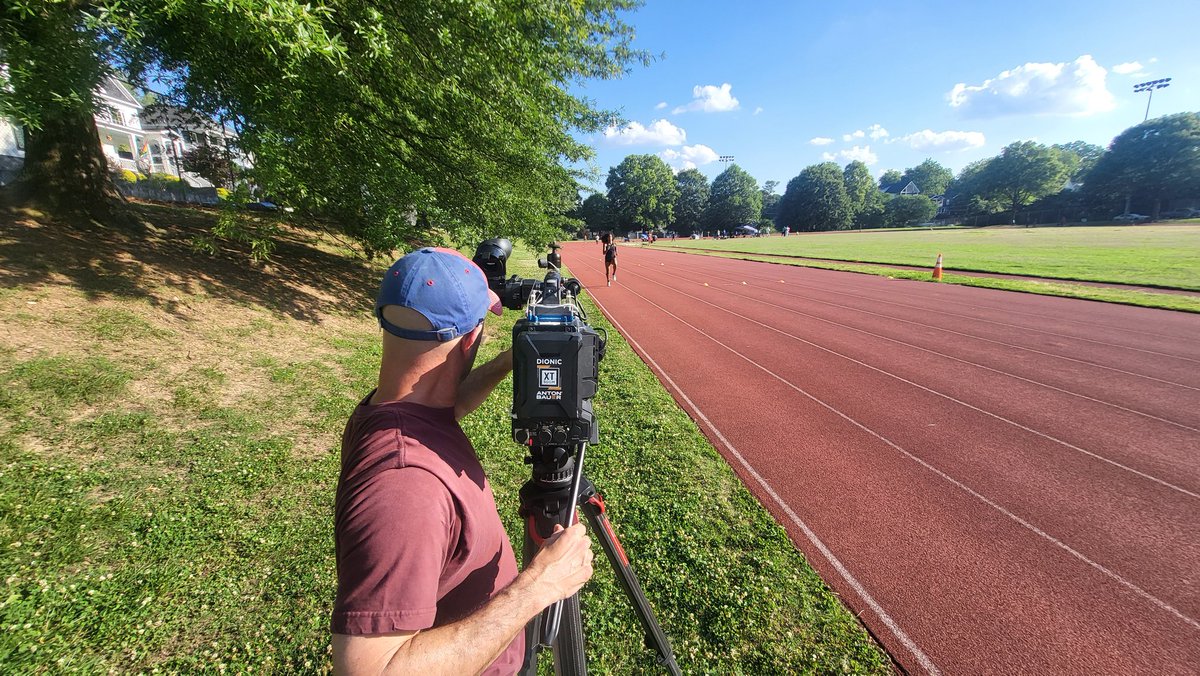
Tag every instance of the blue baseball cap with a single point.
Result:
(446, 287)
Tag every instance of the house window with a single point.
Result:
(19, 137)
(111, 114)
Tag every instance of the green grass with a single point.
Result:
(168, 509)
(1146, 255)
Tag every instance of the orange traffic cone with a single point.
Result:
(937, 269)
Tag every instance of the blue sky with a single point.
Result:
(782, 85)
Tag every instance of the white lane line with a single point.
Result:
(967, 489)
(947, 356)
(833, 560)
(902, 379)
(971, 305)
(1000, 342)
(987, 321)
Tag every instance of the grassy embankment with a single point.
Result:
(1145, 255)
(168, 453)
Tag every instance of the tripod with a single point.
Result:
(549, 498)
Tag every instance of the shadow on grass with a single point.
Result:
(150, 247)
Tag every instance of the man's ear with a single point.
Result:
(468, 340)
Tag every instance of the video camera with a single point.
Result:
(556, 354)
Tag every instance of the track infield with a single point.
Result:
(995, 482)
(1166, 256)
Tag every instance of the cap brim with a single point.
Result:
(495, 306)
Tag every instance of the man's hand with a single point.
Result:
(562, 566)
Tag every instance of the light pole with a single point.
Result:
(1150, 87)
(725, 160)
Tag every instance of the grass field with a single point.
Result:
(168, 455)
(1145, 255)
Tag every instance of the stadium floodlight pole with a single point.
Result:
(1150, 87)
(725, 160)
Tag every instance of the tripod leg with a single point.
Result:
(542, 509)
(569, 659)
(533, 629)
(593, 509)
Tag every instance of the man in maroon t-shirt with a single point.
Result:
(427, 579)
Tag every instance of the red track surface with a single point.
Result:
(997, 482)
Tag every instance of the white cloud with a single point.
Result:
(861, 153)
(876, 132)
(758, 110)
(945, 141)
(711, 99)
(660, 132)
(856, 134)
(1075, 88)
(661, 105)
(821, 141)
(689, 157)
(1131, 68)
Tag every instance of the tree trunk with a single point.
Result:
(65, 167)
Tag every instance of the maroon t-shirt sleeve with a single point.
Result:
(393, 542)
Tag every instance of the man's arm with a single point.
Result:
(471, 644)
(480, 382)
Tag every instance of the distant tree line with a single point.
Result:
(1146, 168)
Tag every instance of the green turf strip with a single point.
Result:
(1166, 301)
(1165, 256)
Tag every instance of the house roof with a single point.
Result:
(112, 88)
(161, 115)
(900, 187)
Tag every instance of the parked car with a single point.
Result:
(1182, 213)
(1130, 218)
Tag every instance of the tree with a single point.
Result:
(966, 191)
(889, 177)
(1023, 172)
(54, 57)
(211, 163)
(770, 201)
(642, 193)
(815, 200)
(905, 210)
(389, 119)
(693, 199)
(735, 200)
(1079, 157)
(1157, 160)
(595, 213)
(930, 176)
(859, 187)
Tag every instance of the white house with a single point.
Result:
(901, 188)
(145, 141)
(12, 151)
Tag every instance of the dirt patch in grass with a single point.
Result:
(150, 256)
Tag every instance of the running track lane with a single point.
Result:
(996, 482)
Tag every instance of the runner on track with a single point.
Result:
(610, 258)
